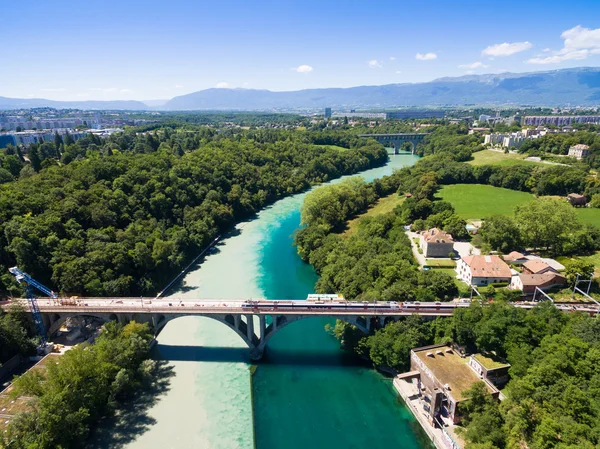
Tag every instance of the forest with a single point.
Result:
(120, 216)
(89, 382)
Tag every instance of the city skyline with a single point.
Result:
(138, 51)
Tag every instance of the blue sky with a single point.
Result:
(142, 50)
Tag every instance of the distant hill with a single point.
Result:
(580, 86)
(17, 103)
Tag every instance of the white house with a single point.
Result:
(483, 270)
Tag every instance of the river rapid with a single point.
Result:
(305, 393)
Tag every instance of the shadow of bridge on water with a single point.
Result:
(324, 358)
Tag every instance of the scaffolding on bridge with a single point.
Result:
(30, 286)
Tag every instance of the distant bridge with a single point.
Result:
(238, 315)
(396, 140)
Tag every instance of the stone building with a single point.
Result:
(436, 243)
(579, 151)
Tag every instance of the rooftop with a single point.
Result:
(514, 255)
(538, 279)
(536, 265)
(450, 369)
(488, 266)
(434, 235)
(490, 361)
(580, 146)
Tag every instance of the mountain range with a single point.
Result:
(577, 86)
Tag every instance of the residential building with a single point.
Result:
(414, 114)
(527, 282)
(536, 266)
(483, 270)
(576, 199)
(504, 140)
(579, 151)
(443, 377)
(515, 257)
(327, 112)
(373, 115)
(559, 120)
(436, 243)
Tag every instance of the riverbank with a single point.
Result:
(307, 392)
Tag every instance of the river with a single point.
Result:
(306, 391)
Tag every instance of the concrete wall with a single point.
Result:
(11, 365)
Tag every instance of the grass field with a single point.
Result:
(382, 206)
(475, 201)
(590, 215)
(489, 157)
(333, 147)
(594, 258)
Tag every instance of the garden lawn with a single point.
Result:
(476, 201)
(382, 206)
(489, 157)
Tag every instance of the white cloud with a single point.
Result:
(83, 94)
(579, 43)
(54, 89)
(425, 56)
(474, 65)
(125, 91)
(398, 71)
(303, 68)
(546, 50)
(392, 58)
(104, 89)
(506, 49)
(178, 86)
(374, 64)
(222, 85)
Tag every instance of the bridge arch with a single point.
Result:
(227, 320)
(56, 324)
(354, 320)
(397, 140)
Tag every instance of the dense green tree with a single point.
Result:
(581, 267)
(76, 392)
(501, 233)
(546, 223)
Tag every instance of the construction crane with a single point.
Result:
(30, 285)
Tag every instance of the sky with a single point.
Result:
(145, 50)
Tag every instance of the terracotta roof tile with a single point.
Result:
(488, 266)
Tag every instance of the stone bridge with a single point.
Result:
(396, 140)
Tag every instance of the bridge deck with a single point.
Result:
(235, 307)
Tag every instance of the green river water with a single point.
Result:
(305, 393)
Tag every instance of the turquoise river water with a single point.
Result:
(305, 393)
